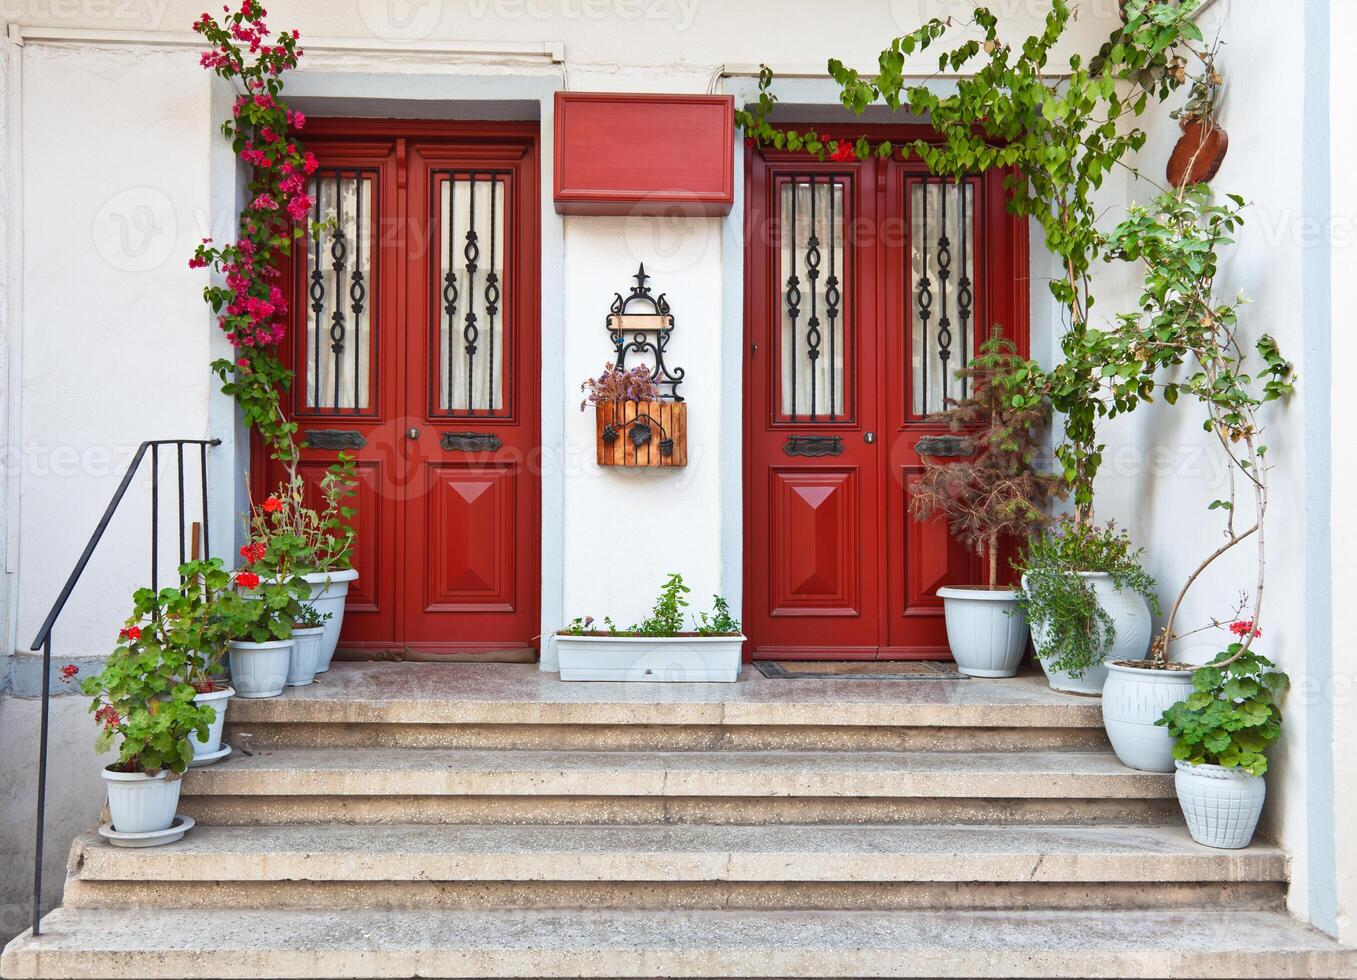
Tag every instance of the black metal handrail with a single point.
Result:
(43, 640)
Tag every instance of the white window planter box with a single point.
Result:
(649, 658)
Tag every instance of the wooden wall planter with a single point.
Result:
(642, 433)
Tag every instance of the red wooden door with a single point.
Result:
(868, 285)
(415, 345)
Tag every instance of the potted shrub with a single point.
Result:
(1181, 326)
(258, 622)
(657, 648)
(1221, 733)
(1087, 600)
(145, 709)
(308, 637)
(315, 544)
(996, 494)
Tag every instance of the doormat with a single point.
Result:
(859, 670)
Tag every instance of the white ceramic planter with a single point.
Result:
(1133, 700)
(649, 658)
(218, 700)
(1131, 621)
(1221, 805)
(986, 630)
(138, 803)
(259, 670)
(306, 650)
(328, 591)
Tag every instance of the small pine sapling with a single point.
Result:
(998, 491)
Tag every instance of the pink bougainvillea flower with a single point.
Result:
(264, 203)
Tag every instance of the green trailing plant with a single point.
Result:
(999, 492)
(1183, 328)
(1232, 716)
(1062, 606)
(1058, 129)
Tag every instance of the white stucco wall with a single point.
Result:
(1168, 469)
(122, 172)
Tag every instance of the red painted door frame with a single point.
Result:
(842, 521)
(449, 539)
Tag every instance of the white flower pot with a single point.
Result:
(649, 658)
(986, 630)
(259, 670)
(138, 803)
(306, 649)
(328, 591)
(218, 701)
(1221, 805)
(1131, 621)
(1134, 698)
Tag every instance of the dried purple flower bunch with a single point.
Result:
(616, 385)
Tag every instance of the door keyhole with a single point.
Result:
(869, 437)
(412, 433)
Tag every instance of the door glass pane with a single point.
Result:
(813, 346)
(336, 344)
(941, 289)
(471, 294)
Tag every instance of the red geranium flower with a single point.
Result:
(272, 505)
(253, 552)
(247, 580)
(1243, 627)
(130, 633)
(843, 152)
(67, 672)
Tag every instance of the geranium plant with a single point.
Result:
(1232, 716)
(143, 697)
(287, 537)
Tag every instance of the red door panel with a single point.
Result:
(815, 543)
(414, 320)
(867, 285)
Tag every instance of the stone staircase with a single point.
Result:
(401, 820)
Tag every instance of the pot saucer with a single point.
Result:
(211, 757)
(150, 838)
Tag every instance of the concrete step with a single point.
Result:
(386, 943)
(303, 785)
(498, 706)
(649, 866)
